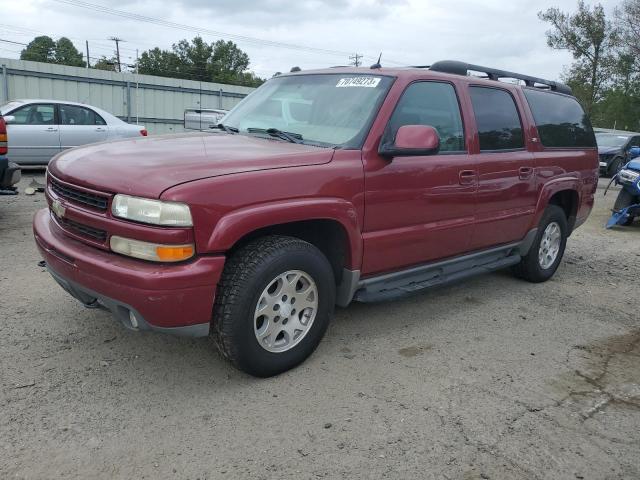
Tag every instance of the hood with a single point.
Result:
(634, 164)
(608, 150)
(147, 166)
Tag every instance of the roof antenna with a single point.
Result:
(377, 64)
(295, 69)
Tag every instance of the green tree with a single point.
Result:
(627, 17)
(195, 57)
(67, 54)
(228, 62)
(220, 62)
(591, 39)
(161, 63)
(45, 49)
(40, 49)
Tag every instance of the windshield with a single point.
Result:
(325, 110)
(609, 140)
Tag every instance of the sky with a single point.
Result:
(280, 34)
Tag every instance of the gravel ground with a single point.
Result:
(492, 378)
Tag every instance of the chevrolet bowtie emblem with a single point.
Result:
(58, 209)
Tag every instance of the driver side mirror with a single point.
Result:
(634, 152)
(9, 119)
(412, 141)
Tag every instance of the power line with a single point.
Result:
(10, 41)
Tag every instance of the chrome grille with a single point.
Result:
(78, 196)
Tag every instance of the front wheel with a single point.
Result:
(623, 200)
(273, 305)
(544, 256)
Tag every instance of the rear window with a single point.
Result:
(560, 120)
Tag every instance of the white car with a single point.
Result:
(40, 129)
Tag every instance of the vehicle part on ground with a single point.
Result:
(627, 205)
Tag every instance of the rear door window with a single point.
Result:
(560, 120)
(76, 115)
(497, 119)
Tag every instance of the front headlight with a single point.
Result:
(628, 176)
(155, 212)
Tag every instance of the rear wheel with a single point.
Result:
(623, 201)
(273, 305)
(544, 256)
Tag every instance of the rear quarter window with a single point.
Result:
(560, 120)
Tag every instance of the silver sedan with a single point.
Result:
(39, 129)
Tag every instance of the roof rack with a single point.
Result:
(462, 68)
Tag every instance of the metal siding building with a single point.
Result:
(158, 103)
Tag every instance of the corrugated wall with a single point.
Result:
(156, 102)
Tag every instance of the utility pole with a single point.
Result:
(117, 40)
(355, 59)
(88, 58)
(137, 90)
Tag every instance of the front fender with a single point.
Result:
(238, 223)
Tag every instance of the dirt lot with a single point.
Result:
(493, 378)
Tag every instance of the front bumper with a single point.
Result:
(176, 298)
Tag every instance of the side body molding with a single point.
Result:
(238, 223)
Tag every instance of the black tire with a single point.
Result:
(623, 200)
(529, 267)
(616, 166)
(247, 273)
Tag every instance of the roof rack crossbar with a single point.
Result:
(462, 68)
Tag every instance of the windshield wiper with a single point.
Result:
(274, 132)
(227, 128)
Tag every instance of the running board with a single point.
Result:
(398, 284)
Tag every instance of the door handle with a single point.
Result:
(51, 129)
(467, 177)
(100, 129)
(525, 172)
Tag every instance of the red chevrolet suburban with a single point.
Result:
(321, 188)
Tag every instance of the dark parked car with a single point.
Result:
(383, 182)
(613, 149)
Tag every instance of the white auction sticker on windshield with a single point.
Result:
(366, 82)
